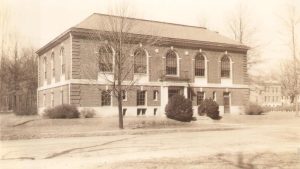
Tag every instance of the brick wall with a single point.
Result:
(87, 95)
(66, 44)
(239, 97)
(85, 62)
(57, 91)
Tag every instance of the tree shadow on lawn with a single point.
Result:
(259, 160)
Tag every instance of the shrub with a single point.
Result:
(87, 113)
(179, 108)
(254, 109)
(64, 111)
(210, 108)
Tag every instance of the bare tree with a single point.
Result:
(290, 72)
(4, 22)
(119, 39)
(242, 28)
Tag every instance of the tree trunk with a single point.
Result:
(120, 110)
(296, 106)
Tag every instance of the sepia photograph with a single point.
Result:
(149, 84)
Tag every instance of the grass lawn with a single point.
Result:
(225, 161)
(268, 118)
(27, 127)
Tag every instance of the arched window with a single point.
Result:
(105, 59)
(53, 64)
(140, 61)
(199, 65)
(225, 67)
(62, 59)
(45, 68)
(171, 63)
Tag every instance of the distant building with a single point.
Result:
(268, 94)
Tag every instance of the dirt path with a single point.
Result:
(114, 151)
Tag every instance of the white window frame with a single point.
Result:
(177, 61)
(45, 70)
(52, 67)
(155, 93)
(215, 96)
(225, 80)
(104, 76)
(62, 55)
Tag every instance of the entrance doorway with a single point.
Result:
(226, 96)
(174, 90)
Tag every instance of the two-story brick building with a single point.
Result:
(196, 62)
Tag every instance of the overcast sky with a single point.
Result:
(42, 20)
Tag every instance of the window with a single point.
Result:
(154, 111)
(171, 63)
(45, 68)
(155, 95)
(199, 65)
(200, 97)
(105, 59)
(124, 95)
(141, 112)
(62, 59)
(214, 96)
(225, 67)
(105, 98)
(53, 65)
(140, 61)
(141, 97)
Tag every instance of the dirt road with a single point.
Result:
(281, 144)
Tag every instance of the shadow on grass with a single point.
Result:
(260, 160)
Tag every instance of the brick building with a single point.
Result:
(269, 94)
(195, 62)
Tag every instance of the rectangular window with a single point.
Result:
(45, 68)
(200, 97)
(62, 56)
(53, 66)
(155, 95)
(141, 98)
(106, 98)
(124, 95)
(214, 96)
(141, 112)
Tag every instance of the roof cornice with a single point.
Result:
(162, 40)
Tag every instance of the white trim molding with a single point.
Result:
(158, 84)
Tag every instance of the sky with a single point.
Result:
(40, 21)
